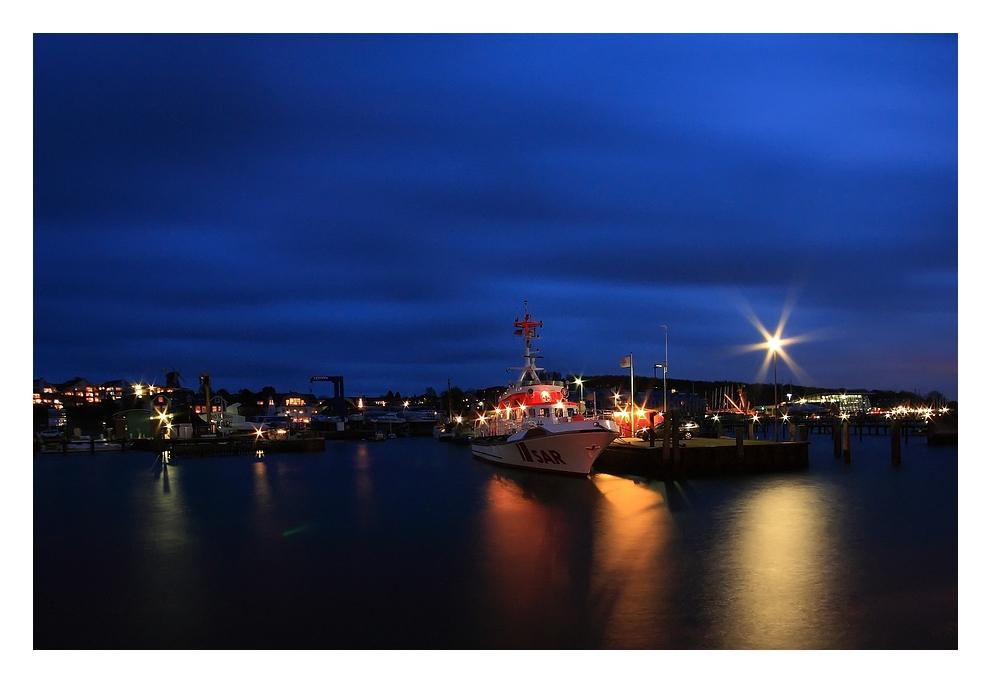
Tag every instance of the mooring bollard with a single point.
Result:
(750, 430)
(896, 444)
(846, 441)
(837, 447)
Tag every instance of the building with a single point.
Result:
(46, 393)
(847, 404)
(79, 391)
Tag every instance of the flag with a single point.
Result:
(626, 362)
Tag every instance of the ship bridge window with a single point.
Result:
(545, 412)
(533, 413)
(559, 412)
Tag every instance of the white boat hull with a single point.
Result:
(572, 451)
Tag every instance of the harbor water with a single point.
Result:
(413, 544)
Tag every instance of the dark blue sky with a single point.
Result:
(268, 208)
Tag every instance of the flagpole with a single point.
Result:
(631, 394)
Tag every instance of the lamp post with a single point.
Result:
(581, 393)
(774, 343)
(664, 366)
(665, 371)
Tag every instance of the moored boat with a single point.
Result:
(535, 424)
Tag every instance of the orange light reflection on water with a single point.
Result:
(524, 560)
(631, 568)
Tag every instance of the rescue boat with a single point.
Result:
(536, 425)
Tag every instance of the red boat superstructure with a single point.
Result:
(536, 425)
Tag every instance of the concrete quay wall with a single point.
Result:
(702, 458)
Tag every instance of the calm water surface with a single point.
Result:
(411, 543)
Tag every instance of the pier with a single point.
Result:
(702, 457)
(204, 448)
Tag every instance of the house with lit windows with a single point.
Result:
(46, 393)
(114, 390)
(298, 409)
(79, 391)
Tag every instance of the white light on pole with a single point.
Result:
(774, 344)
(665, 371)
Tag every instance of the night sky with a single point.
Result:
(266, 208)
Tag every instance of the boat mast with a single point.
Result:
(528, 330)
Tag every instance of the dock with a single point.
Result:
(205, 448)
(702, 457)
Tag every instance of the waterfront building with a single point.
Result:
(844, 403)
(46, 393)
(79, 391)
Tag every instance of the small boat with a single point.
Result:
(444, 431)
(388, 418)
(50, 436)
(420, 416)
(537, 426)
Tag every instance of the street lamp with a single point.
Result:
(665, 375)
(665, 371)
(774, 344)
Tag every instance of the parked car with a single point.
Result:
(686, 430)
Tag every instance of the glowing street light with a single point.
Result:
(774, 344)
(665, 371)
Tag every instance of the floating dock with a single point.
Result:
(702, 457)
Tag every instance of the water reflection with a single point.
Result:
(526, 539)
(632, 564)
(775, 571)
(263, 504)
(167, 552)
(362, 481)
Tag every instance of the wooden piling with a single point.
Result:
(739, 447)
(846, 441)
(837, 447)
(896, 444)
(803, 433)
